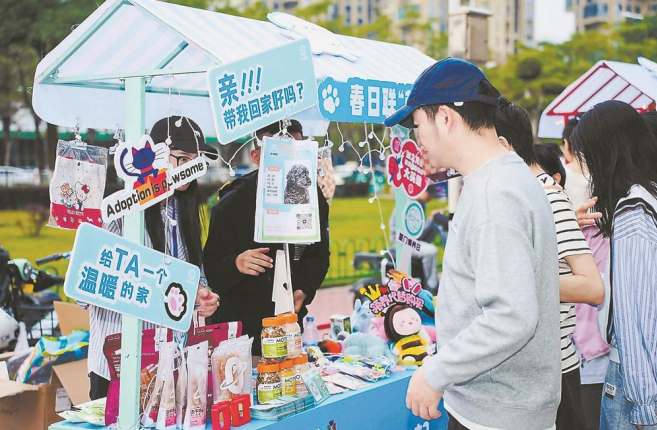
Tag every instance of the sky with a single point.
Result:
(553, 23)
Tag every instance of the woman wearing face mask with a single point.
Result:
(173, 227)
(621, 156)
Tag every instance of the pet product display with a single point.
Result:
(269, 385)
(78, 185)
(293, 333)
(240, 410)
(231, 369)
(197, 387)
(301, 366)
(274, 340)
(288, 378)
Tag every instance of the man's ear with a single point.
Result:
(505, 143)
(255, 157)
(446, 119)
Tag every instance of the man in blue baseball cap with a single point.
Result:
(498, 363)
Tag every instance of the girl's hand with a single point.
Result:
(206, 301)
(586, 218)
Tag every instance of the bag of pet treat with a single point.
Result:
(78, 185)
(151, 343)
(213, 335)
(232, 369)
(181, 388)
(197, 387)
(166, 416)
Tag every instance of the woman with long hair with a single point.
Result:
(621, 156)
(173, 227)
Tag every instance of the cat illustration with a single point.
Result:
(81, 194)
(142, 160)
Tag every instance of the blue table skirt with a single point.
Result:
(380, 406)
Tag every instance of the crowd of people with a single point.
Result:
(539, 256)
(522, 289)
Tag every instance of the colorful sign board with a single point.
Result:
(254, 92)
(360, 100)
(406, 167)
(287, 206)
(148, 177)
(111, 272)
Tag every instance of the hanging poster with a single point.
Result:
(406, 167)
(111, 272)
(78, 185)
(249, 94)
(148, 176)
(360, 100)
(287, 209)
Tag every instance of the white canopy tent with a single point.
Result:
(635, 84)
(116, 69)
(82, 80)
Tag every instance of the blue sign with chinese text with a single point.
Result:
(111, 272)
(360, 100)
(249, 94)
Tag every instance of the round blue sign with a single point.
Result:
(414, 219)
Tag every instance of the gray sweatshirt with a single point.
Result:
(497, 315)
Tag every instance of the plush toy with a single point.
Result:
(403, 327)
(367, 345)
(377, 329)
(362, 316)
(331, 346)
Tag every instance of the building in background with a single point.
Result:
(590, 15)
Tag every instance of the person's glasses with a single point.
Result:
(181, 159)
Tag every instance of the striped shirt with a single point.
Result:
(634, 300)
(104, 322)
(570, 241)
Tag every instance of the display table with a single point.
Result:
(380, 406)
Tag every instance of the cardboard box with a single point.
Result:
(31, 407)
(71, 317)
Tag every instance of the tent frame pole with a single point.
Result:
(133, 230)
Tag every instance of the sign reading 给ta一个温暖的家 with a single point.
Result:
(111, 272)
(254, 92)
(360, 100)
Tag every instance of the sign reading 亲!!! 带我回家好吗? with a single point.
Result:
(149, 177)
(360, 100)
(254, 92)
(111, 272)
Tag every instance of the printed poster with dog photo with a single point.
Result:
(287, 209)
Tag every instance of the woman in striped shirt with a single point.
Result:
(621, 155)
(579, 279)
(172, 227)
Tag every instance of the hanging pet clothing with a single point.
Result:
(78, 185)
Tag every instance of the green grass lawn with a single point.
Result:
(354, 224)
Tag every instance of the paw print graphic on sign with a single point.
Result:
(330, 98)
(175, 301)
(406, 167)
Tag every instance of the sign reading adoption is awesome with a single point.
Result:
(111, 272)
(256, 91)
(148, 177)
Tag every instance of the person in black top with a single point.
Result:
(241, 270)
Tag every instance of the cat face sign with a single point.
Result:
(149, 177)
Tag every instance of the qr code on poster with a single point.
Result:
(304, 222)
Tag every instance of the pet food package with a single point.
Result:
(151, 343)
(231, 369)
(197, 387)
(213, 335)
(181, 388)
(78, 185)
(166, 416)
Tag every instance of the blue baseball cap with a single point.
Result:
(450, 80)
